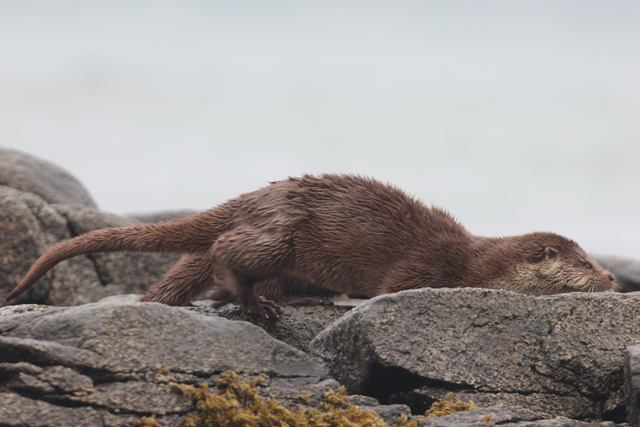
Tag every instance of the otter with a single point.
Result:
(304, 240)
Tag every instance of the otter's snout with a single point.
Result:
(616, 285)
(610, 277)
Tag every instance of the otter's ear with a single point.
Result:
(550, 253)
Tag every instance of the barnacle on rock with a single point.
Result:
(239, 405)
(446, 407)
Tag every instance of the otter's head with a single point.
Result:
(554, 264)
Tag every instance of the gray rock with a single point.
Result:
(567, 350)
(115, 361)
(297, 325)
(504, 416)
(571, 406)
(632, 385)
(29, 174)
(23, 308)
(389, 413)
(498, 414)
(128, 338)
(360, 400)
(30, 226)
(19, 411)
(626, 270)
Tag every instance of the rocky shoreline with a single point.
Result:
(78, 350)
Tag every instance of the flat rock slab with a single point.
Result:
(297, 326)
(23, 308)
(567, 350)
(507, 416)
(110, 363)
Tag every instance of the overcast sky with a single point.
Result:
(516, 116)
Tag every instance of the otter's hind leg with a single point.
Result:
(220, 295)
(189, 277)
(234, 288)
(247, 255)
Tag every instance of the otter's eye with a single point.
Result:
(588, 266)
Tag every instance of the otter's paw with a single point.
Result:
(263, 308)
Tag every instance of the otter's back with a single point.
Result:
(352, 223)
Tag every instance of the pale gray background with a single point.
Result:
(516, 116)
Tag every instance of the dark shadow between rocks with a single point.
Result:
(392, 381)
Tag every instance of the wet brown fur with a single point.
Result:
(305, 239)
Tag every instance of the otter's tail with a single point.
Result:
(194, 234)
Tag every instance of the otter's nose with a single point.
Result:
(611, 277)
